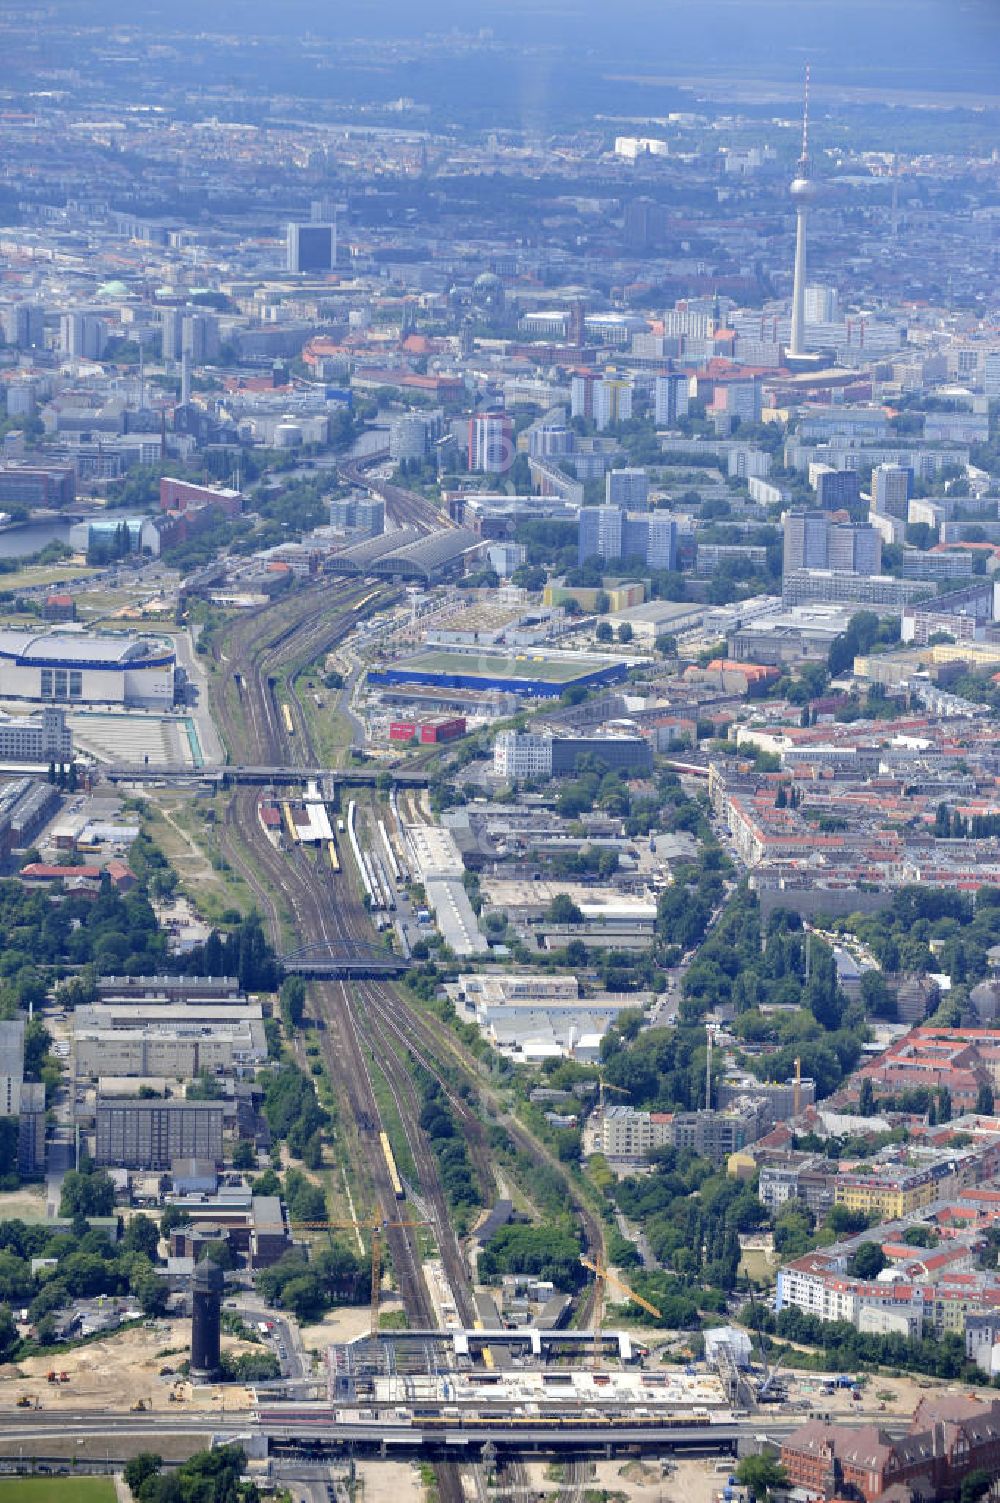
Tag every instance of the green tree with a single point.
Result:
(868, 1261)
(876, 996)
(975, 1484)
(87, 1193)
(562, 910)
(244, 1155)
(142, 1235)
(761, 1474)
(293, 1001)
(145, 1464)
(9, 1339)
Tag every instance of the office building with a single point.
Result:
(175, 1039)
(506, 557)
(609, 532)
(409, 437)
(491, 443)
(23, 325)
(612, 401)
(518, 755)
(311, 247)
(11, 1066)
(172, 333)
(739, 399)
(671, 399)
(152, 1134)
(842, 586)
(892, 485)
(951, 563)
(364, 514)
(834, 488)
(991, 375)
(22, 1099)
(22, 398)
(200, 338)
(631, 755)
(82, 336)
(644, 223)
(600, 532)
(822, 305)
(805, 540)
(39, 739)
(628, 488)
(854, 548)
(29, 485)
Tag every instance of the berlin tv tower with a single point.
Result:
(803, 191)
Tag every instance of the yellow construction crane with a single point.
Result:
(605, 1085)
(602, 1277)
(376, 1226)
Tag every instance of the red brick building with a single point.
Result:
(59, 608)
(180, 495)
(949, 1436)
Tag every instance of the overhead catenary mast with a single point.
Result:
(803, 191)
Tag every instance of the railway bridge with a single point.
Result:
(346, 961)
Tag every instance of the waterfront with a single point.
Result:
(26, 538)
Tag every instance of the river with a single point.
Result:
(31, 537)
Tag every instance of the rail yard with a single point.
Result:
(261, 714)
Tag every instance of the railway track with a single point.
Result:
(402, 506)
(323, 909)
(260, 648)
(408, 1105)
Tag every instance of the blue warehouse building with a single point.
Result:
(525, 683)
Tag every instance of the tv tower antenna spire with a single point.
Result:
(803, 191)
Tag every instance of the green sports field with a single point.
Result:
(479, 665)
(65, 1489)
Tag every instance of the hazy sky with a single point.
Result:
(921, 43)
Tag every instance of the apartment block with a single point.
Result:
(153, 1134)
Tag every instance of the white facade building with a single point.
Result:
(79, 668)
(518, 754)
(624, 1133)
(506, 557)
(41, 738)
(408, 437)
(822, 305)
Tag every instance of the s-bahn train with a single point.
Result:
(390, 1164)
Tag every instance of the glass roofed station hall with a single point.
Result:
(86, 668)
